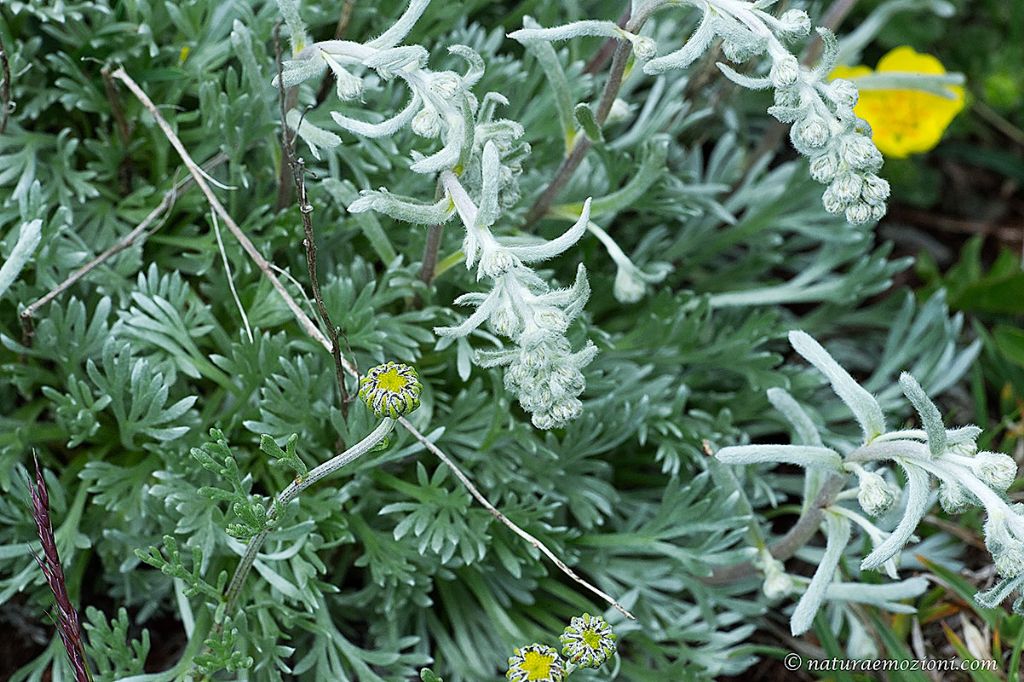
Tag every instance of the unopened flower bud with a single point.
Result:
(446, 84)
(953, 498)
(811, 132)
(619, 112)
(628, 287)
(995, 469)
(843, 92)
(847, 187)
(644, 48)
(784, 71)
(824, 167)
(875, 495)
(831, 202)
(875, 190)
(1006, 550)
(796, 21)
(860, 153)
(858, 213)
(426, 123)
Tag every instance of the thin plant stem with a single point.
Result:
(583, 144)
(298, 170)
(141, 229)
(296, 487)
(311, 329)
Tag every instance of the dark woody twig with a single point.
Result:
(68, 624)
(298, 171)
(5, 87)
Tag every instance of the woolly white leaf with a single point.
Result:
(800, 455)
(28, 239)
(931, 419)
(837, 536)
(863, 405)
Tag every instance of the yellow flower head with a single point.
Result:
(535, 663)
(391, 390)
(904, 122)
(588, 641)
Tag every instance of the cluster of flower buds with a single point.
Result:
(542, 370)
(824, 129)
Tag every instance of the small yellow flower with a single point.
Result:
(904, 122)
(535, 663)
(391, 390)
(588, 641)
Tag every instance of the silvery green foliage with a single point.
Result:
(824, 127)
(482, 155)
(928, 456)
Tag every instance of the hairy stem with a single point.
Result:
(799, 535)
(296, 487)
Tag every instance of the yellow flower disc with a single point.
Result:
(904, 122)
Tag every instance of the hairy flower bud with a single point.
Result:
(628, 288)
(847, 187)
(588, 641)
(953, 498)
(644, 48)
(995, 469)
(811, 132)
(858, 213)
(831, 202)
(875, 190)
(446, 84)
(426, 123)
(824, 167)
(859, 152)
(619, 112)
(843, 92)
(875, 496)
(785, 71)
(1007, 551)
(796, 22)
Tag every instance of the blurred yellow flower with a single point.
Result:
(904, 122)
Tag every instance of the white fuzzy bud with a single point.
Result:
(875, 495)
(446, 84)
(824, 167)
(551, 318)
(785, 71)
(847, 187)
(860, 153)
(832, 203)
(858, 213)
(877, 212)
(426, 123)
(811, 132)
(628, 288)
(796, 21)
(967, 448)
(495, 262)
(1006, 550)
(644, 48)
(953, 498)
(843, 92)
(875, 190)
(777, 583)
(506, 322)
(619, 112)
(995, 469)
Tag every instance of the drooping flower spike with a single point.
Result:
(391, 390)
(588, 641)
(535, 663)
